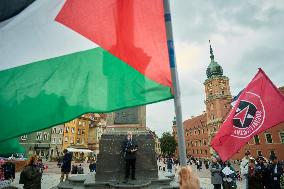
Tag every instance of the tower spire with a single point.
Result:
(211, 53)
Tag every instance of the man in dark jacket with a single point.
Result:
(130, 148)
(31, 174)
(66, 165)
(9, 170)
(262, 167)
(275, 171)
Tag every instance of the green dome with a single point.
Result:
(214, 68)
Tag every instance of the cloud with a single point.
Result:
(245, 35)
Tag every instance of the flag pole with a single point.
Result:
(176, 89)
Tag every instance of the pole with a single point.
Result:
(176, 89)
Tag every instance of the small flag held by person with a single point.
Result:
(259, 107)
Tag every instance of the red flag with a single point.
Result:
(259, 107)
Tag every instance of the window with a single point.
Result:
(200, 143)
(84, 123)
(272, 153)
(259, 153)
(59, 140)
(83, 131)
(186, 133)
(197, 151)
(72, 130)
(45, 136)
(195, 143)
(204, 142)
(66, 139)
(256, 139)
(79, 131)
(282, 137)
(268, 138)
(83, 140)
(191, 143)
(78, 141)
(61, 131)
(223, 93)
(206, 152)
(192, 151)
(53, 130)
(80, 122)
(53, 140)
(38, 135)
(72, 140)
(198, 131)
(66, 129)
(24, 137)
(200, 151)
(42, 153)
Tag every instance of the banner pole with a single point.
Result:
(176, 89)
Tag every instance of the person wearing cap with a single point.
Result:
(215, 169)
(275, 171)
(130, 148)
(244, 167)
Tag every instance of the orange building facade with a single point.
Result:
(200, 130)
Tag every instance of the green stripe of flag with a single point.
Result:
(53, 91)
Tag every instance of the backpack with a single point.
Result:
(22, 177)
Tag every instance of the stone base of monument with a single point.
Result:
(88, 182)
(111, 166)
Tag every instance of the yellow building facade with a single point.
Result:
(76, 132)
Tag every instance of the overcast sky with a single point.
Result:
(245, 35)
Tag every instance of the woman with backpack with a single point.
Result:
(31, 175)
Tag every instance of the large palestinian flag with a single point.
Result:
(60, 59)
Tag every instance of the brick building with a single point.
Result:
(201, 129)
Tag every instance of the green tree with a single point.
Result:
(168, 144)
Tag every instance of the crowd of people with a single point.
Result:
(256, 172)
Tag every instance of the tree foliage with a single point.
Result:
(168, 144)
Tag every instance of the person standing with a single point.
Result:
(244, 167)
(93, 165)
(229, 176)
(9, 170)
(130, 148)
(170, 164)
(31, 174)
(66, 165)
(275, 171)
(254, 176)
(216, 177)
(263, 168)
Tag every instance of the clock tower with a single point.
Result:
(218, 96)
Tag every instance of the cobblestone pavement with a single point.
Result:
(51, 177)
